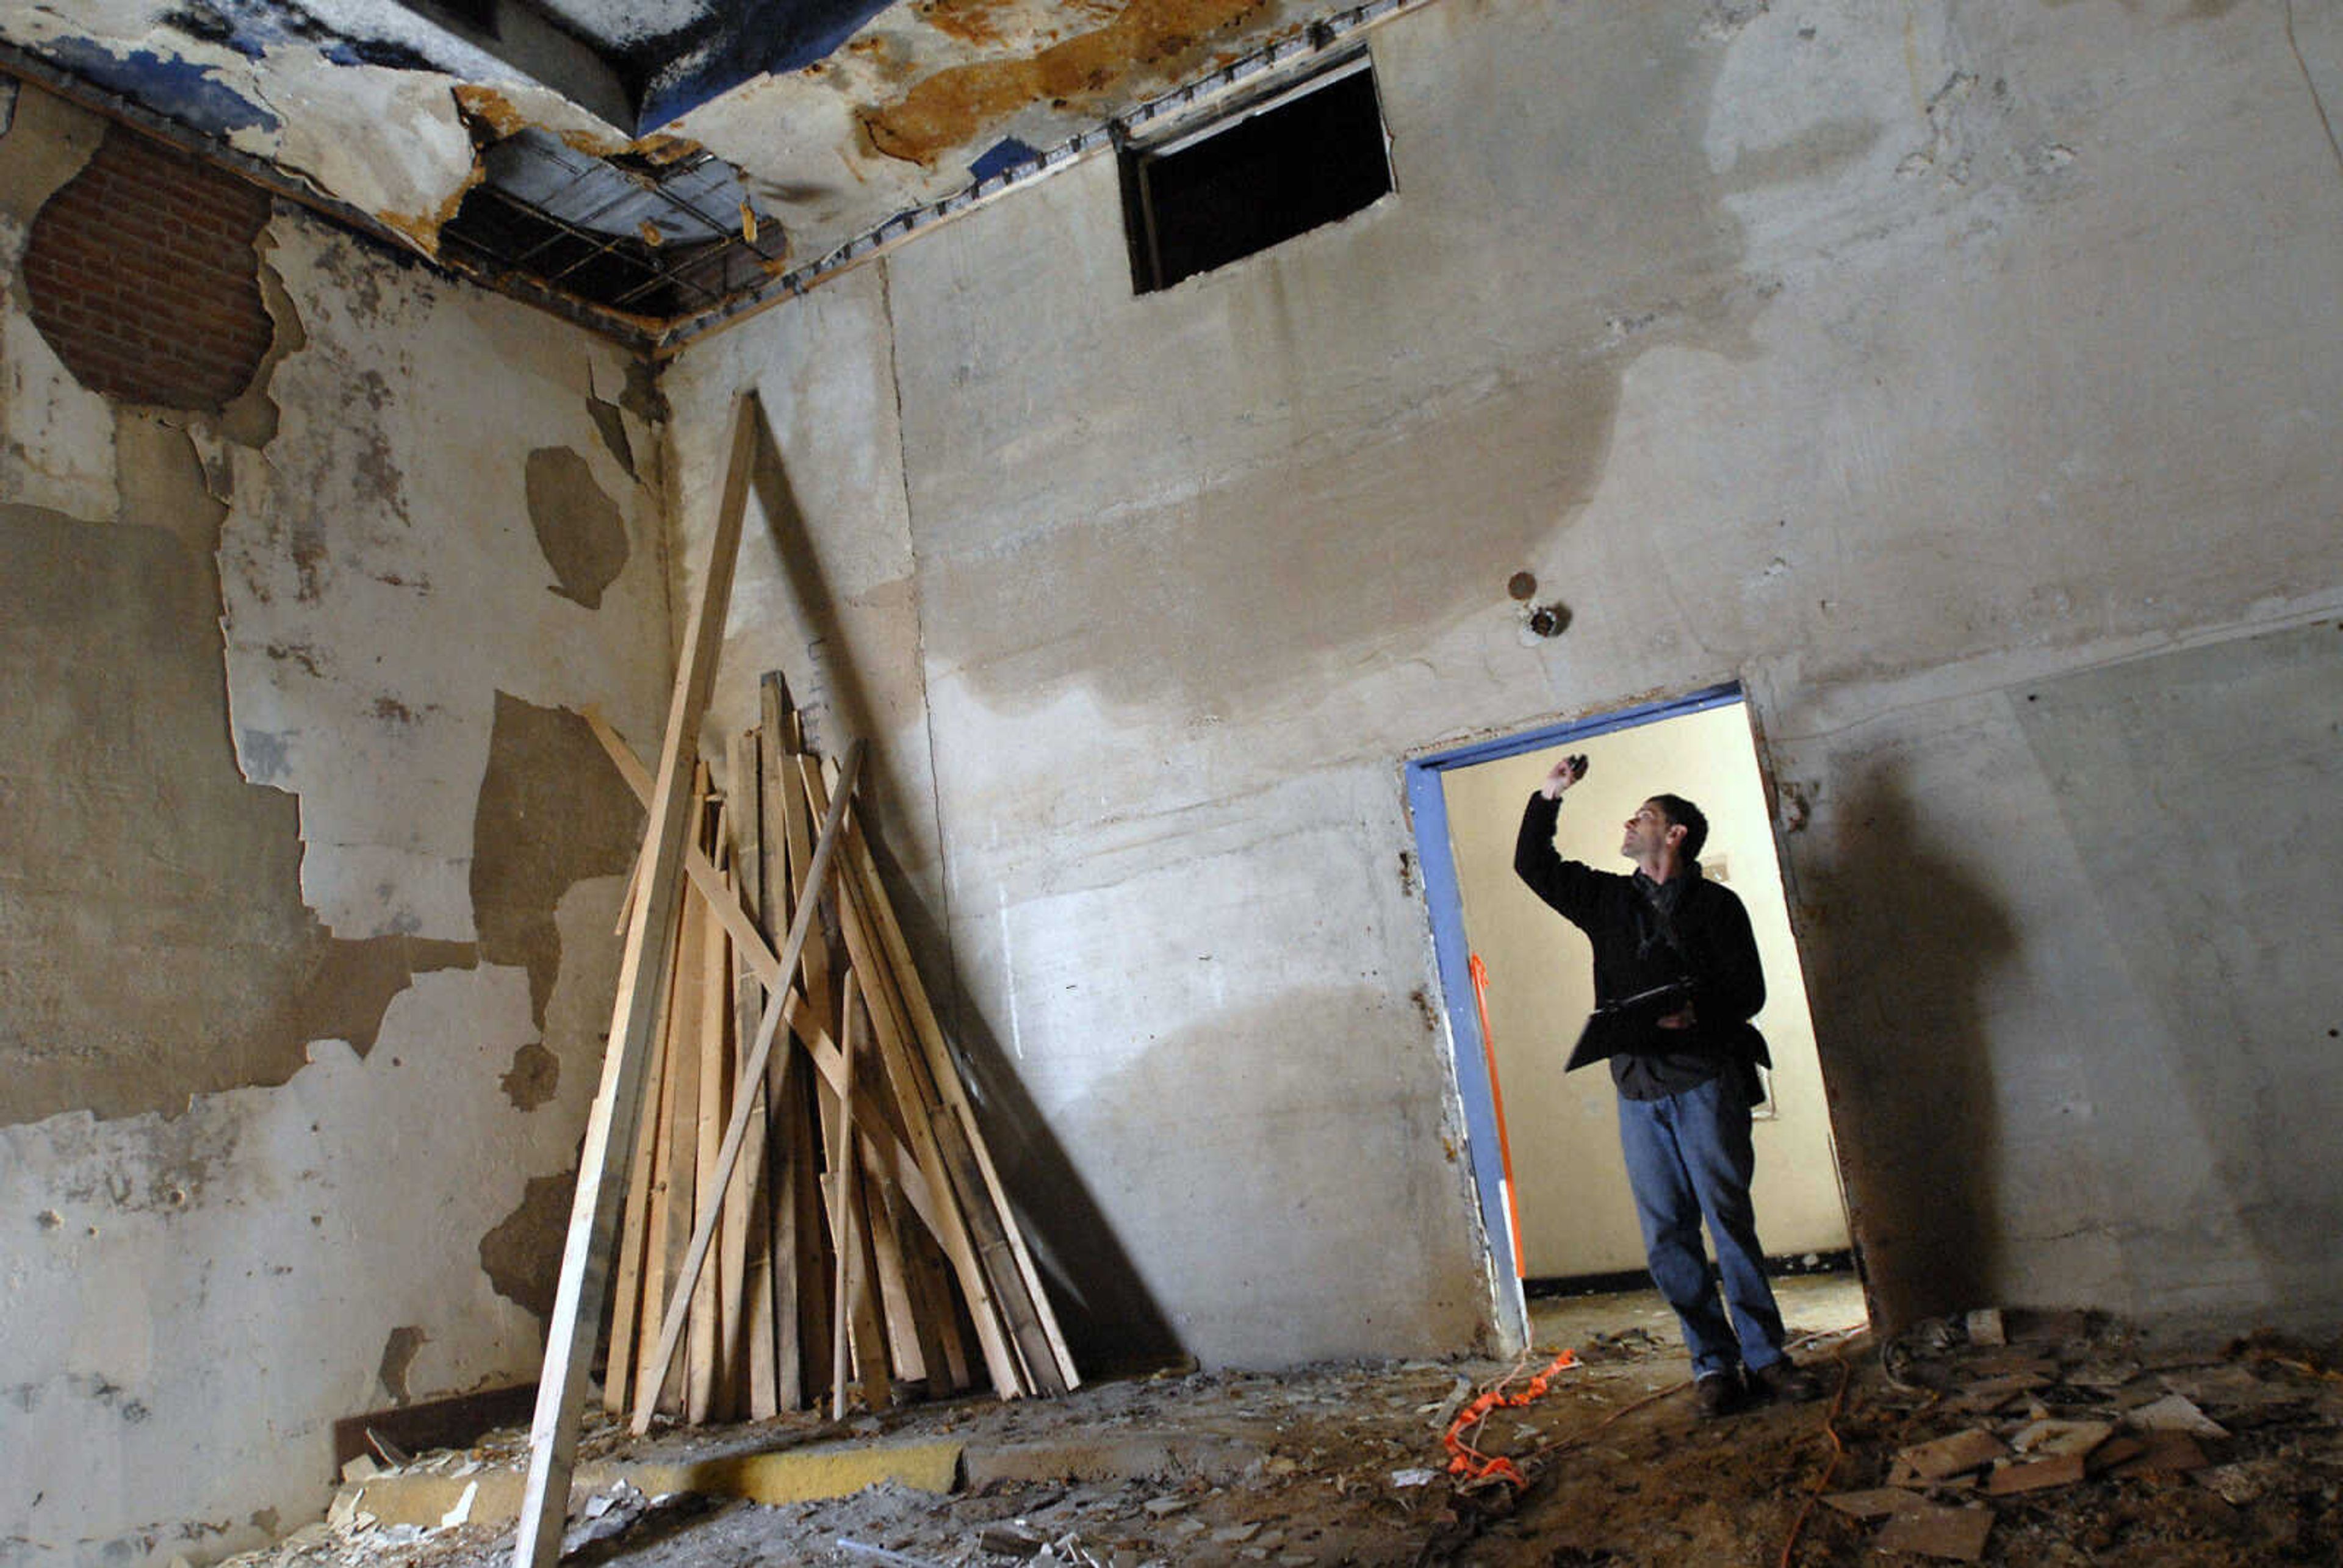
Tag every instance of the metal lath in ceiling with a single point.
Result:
(650, 237)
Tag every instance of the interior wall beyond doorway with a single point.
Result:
(1569, 1185)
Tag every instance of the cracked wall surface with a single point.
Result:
(1891, 364)
(306, 946)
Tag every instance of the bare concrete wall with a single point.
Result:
(305, 926)
(1894, 363)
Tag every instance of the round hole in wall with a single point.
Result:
(1550, 619)
(1521, 585)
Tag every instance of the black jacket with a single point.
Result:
(1711, 945)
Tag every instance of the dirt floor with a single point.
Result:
(2077, 1441)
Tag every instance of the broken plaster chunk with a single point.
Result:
(2164, 1450)
(1008, 1540)
(462, 1512)
(1991, 1393)
(2053, 1436)
(1877, 1502)
(1414, 1476)
(1164, 1507)
(1235, 1534)
(1985, 1328)
(2103, 1376)
(361, 1467)
(2032, 1476)
(1949, 1456)
(1958, 1533)
(2175, 1413)
(2116, 1451)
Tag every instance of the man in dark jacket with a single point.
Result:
(1685, 1066)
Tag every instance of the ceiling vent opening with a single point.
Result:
(1303, 157)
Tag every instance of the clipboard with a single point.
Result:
(1626, 1024)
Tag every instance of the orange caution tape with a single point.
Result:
(1470, 1463)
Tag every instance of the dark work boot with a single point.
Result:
(1716, 1393)
(1783, 1382)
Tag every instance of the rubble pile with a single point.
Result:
(2042, 1438)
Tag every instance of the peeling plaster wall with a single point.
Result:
(1903, 366)
(312, 874)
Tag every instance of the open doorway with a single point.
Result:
(1560, 1222)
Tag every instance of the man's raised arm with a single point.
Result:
(1562, 884)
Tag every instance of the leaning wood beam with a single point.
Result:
(803, 1019)
(841, 1207)
(704, 1391)
(627, 1313)
(704, 1230)
(749, 1344)
(966, 1233)
(862, 873)
(610, 1128)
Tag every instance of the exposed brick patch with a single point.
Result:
(142, 276)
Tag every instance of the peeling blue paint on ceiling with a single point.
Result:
(182, 89)
(1000, 157)
(750, 38)
(252, 27)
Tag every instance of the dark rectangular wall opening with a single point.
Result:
(1280, 166)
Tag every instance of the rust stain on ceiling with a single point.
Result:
(952, 108)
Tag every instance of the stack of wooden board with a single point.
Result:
(823, 1218)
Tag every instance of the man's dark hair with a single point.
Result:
(1682, 813)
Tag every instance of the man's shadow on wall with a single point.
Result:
(1903, 950)
(1109, 1319)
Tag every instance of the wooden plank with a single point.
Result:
(699, 866)
(656, 1390)
(841, 1210)
(655, 1244)
(954, 1231)
(775, 1006)
(953, 1325)
(894, 1288)
(705, 1394)
(796, 1280)
(805, 1333)
(979, 1254)
(576, 1314)
(750, 1344)
(858, 1280)
(945, 1074)
(798, 813)
(804, 1022)
(801, 1313)
(627, 1310)
(926, 1300)
(872, 1349)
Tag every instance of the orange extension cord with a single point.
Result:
(1470, 1463)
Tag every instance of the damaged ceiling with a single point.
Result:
(654, 167)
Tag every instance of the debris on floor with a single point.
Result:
(2079, 1442)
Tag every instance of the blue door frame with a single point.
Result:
(1428, 807)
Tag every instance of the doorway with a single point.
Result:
(1560, 1222)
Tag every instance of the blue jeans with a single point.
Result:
(1688, 1155)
